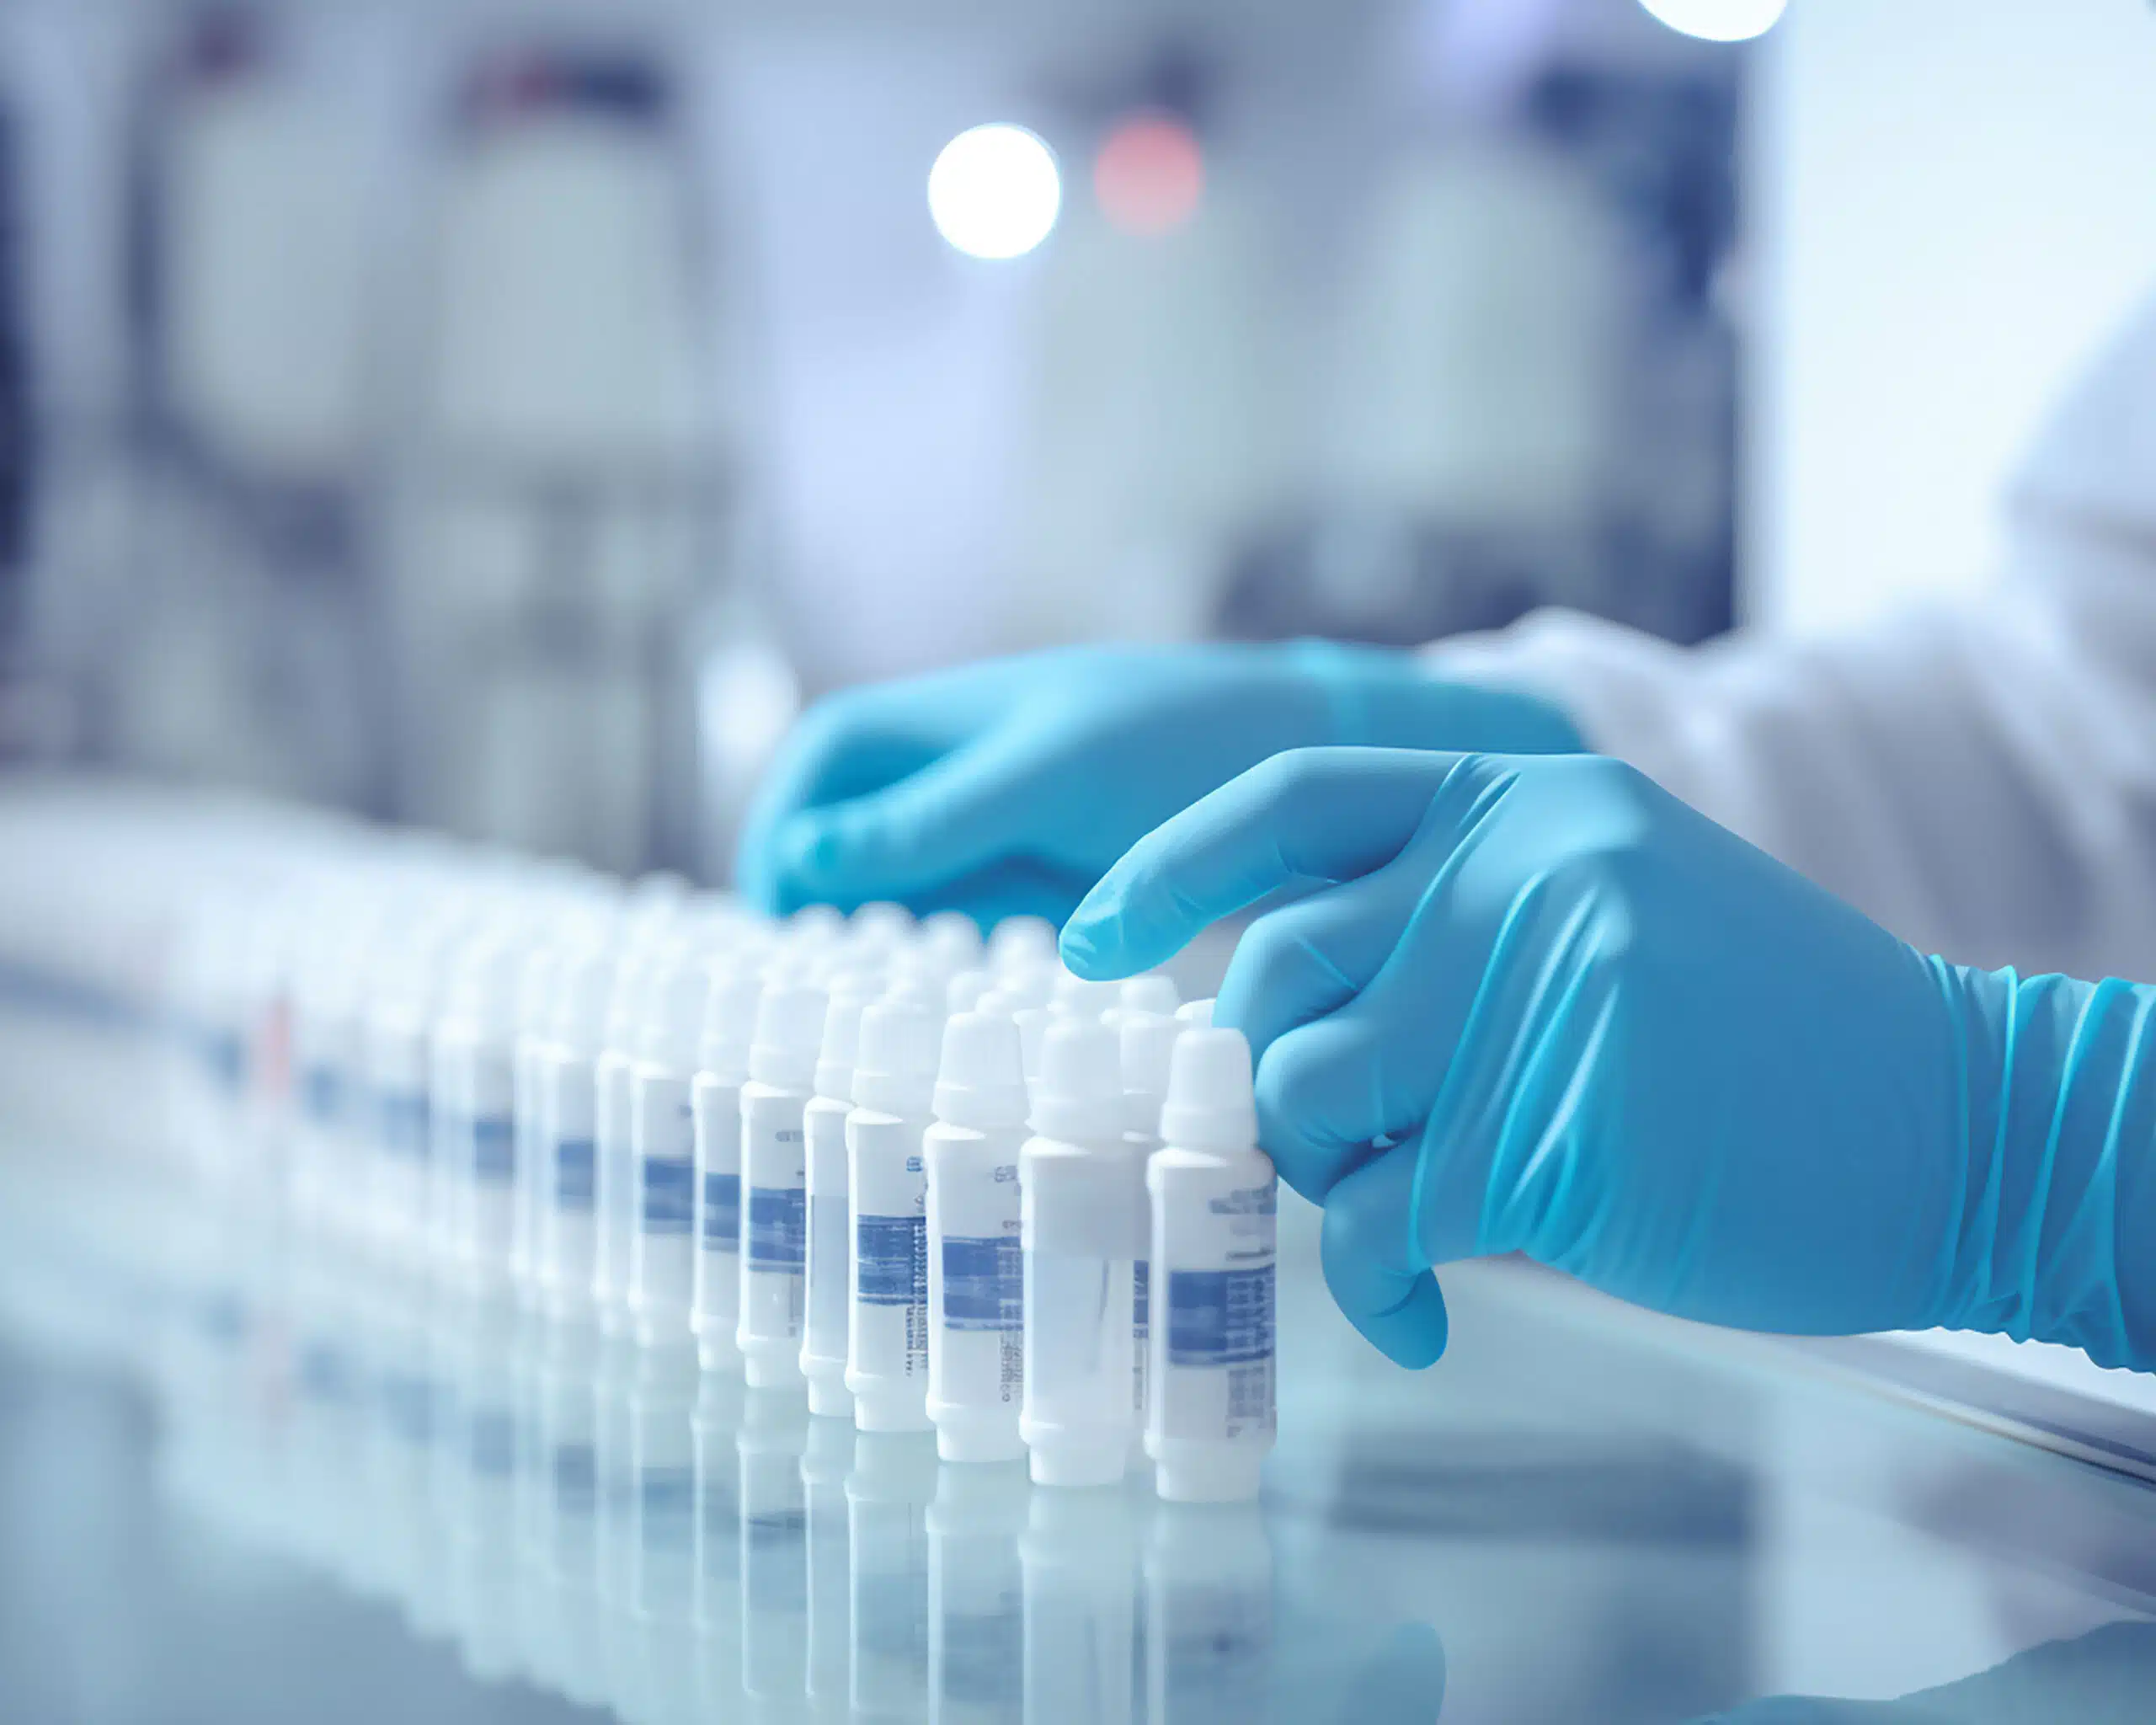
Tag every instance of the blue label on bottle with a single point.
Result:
(576, 1476)
(669, 1194)
(493, 1149)
(722, 1212)
(984, 1284)
(777, 1236)
(1219, 1317)
(321, 1094)
(1141, 1304)
(576, 1173)
(401, 1120)
(667, 1496)
(893, 1255)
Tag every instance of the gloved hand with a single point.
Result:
(1599, 1029)
(1008, 786)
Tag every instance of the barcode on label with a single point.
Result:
(669, 1192)
(776, 1239)
(722, 1212)
(576, 1173)
(893, 1254)
(984, 1284)
(1249, 1391)
(1219, 1317)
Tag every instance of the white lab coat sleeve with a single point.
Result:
(1980, 776)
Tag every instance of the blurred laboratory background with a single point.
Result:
(505, 417)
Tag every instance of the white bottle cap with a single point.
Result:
(849, 995)
(980, 1081)
(679, 988)
(789, 1034)
(994, 1004)
(1076, 997)
(881, 923)
(1197, 1014)
(811, 927)
(1148, 1043)
(1078, 1097)
(901, 1043)
(964, 992)
(737, 987)
(954, 936)
(1021, 942)
(1030, 985)
(1153, 992)
(480, 988)
(1033, 1022)
(1209, 1105)
(576, 1018)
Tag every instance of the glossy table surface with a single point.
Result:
(242, 1478)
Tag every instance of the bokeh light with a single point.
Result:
(995, 191)
(1719, 20)
(1149, 173)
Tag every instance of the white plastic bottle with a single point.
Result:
(976, 1301)
(1196, 1015)
(736, 985)
(663, 1140)
(1148, 1042)
(1210, 1423)
(474, 1106)
(614, 1187)
(568, 1107)
(887, 1305)
(830, 1209)
(1083, 1207)
(536, 984)
(775, 1179)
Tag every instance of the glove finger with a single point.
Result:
(961, 815)
(1322, 1100)
(1310, 958)
(846, 746)
(1325, 815)
(1377, 1275)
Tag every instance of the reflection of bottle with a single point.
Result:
(774, 1559)
(1080, 1557)
(1208, 1614)
(476, 1455)
(566, 1458)
(976, 1596)
(825, 1465)
(663, 1513)
(716, 1425)
(887, 1494)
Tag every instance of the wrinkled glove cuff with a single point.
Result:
(2057, 1234)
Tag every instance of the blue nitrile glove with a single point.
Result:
(2105, 1678)
(1599, 1029)
(1010, 785)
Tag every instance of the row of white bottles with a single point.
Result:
(928, 1178)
